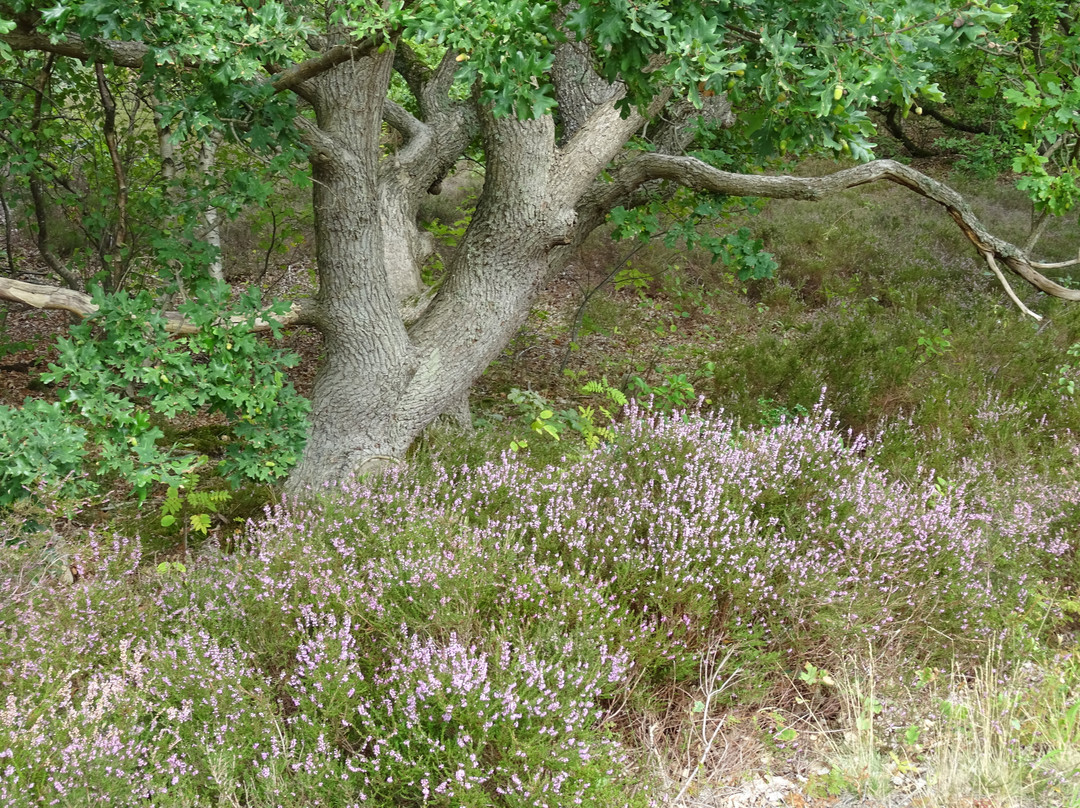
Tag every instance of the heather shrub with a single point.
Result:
(486, 634)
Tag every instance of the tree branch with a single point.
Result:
(108, 106)
(59, 298)
(324, 148)
(579, 90)
(418, 135)
(691, 172)
(896, 128)
(430, 88)
(291, 78)
(675, 128)
(123, 54)
(935, 113)
(134, 54)
(597, 141)
(37, 195)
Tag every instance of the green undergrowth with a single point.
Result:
(880, 308)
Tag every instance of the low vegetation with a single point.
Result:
(829, 548)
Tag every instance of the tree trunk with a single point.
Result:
(211, 216)
(369, 358)
(381, 384)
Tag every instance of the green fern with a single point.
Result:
(199, 503)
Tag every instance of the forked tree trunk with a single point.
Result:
(396, 359)
(381, 384)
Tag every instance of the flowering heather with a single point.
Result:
(466, 636)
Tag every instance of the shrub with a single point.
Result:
(467, 636)
(38, 444)
(121, 374)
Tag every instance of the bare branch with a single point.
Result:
(893, 122)
(598, 140)
(40, 296)
(935, 113)
(37, 195)
(418, 135)
(9, 228)
(578, 89)
(430, 88)
(108, 106)
(1057, 265)
(293, 77)
(411, 68)
(124, 54)
(676, 128)
(644, 167)
(436, 93)
(1038, 227)
(324, 148)
(989, 256)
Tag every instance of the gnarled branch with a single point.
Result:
(645, 167)
(578, 89)
(418, 135)
(294, 76)
(134, 55)
(123, 54)
(430, 88)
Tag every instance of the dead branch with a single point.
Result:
(60, 298)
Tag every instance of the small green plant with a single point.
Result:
(673, 393)
(8, 348)
(534, 408)
(832, 783)
(686, 298)
(1067, 372)
(942, 488)
(813, 675)
(745, 254)
(634, 279)
(931, 345)
(864, 721)
(198, 505)
(986, 157)
(773, 414)
(911, 736)
(449, 235)
(545, 421)
(584, 420)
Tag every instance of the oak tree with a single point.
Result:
(575, 110)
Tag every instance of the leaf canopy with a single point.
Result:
(801, 76)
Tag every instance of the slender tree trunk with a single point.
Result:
(211, 217)
(369, 358)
